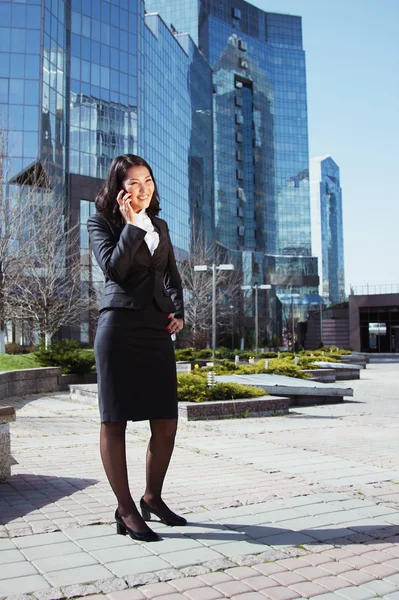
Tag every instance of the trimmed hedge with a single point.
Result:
(68, 355)
(193, 388)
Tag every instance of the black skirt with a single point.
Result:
(136, 367)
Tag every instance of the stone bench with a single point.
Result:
(7, 414)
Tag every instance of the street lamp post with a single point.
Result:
(256, 287)
(214, 268)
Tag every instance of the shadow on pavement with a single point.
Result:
(24, 493)
(268, 535)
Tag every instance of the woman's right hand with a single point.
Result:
(123, 199)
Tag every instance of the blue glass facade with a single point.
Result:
(84, 81)
(327, 231)
(261, 173)
(175, 121)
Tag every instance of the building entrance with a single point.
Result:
(379, 329)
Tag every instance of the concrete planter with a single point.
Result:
(38, 381)
(262, 406)
(7, 414)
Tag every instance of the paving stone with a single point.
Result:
(61, 563)
(307, 589)
(194, 570)
(215, 578)
(43, 539)
(137, 565)
(279, 593)
(133, 594)
(393, 596)
(91, 531)
(50, 550)
(17, 569)
(355, 593)
(326, 596)
(21, 597)
(241, 572)
(22, 585)
(154, 590)
(218, 564)
(380, 587)
(76, 590)
(191, 556)
(247, 560)
(295, 552)
(333, 583)
(50, 594)
(311, 573)
(269, 568)
(356, 577)
(392, 563)
(232, 588)
(287, 578)
(187, 583)
(6, 544)
(272, 554)
(168, 574)
(108, 555)
(357, 562)
(10, 556)
(380, 571)
(114, 584)
(77, 575)
(335, 568)
(204, 593)
(316, 559)
(338, 553)
(249, 596)
(260, 582)
(141, 579)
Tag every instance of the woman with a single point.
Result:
(141, 306)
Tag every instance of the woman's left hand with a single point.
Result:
(175, 324)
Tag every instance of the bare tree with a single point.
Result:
(49, 289)
(197, 287)
(13, 218)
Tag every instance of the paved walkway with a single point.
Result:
(300, 506)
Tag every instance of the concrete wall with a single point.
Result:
(37, 381)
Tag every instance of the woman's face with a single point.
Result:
(140, 185)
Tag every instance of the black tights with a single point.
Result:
(159, 452)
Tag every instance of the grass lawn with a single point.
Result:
(12, 362)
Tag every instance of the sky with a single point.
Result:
(352, 58)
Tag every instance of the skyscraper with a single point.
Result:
(327, 227)
(81, 82)
(261, 163)
(212, 94)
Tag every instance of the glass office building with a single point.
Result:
(84, 81)
(327, 227)
(262, 199)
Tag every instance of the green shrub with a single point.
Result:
(68, 355)
(184, 354)
(192, 387)
(284, 367)
(205, 353)
(267, 355)
(231, 391)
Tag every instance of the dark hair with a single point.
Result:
(106, 198)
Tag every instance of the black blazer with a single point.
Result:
(134, 277)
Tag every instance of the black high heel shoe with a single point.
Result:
(123, 529)
(170, 519)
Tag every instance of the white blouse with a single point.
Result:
(151, 237)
